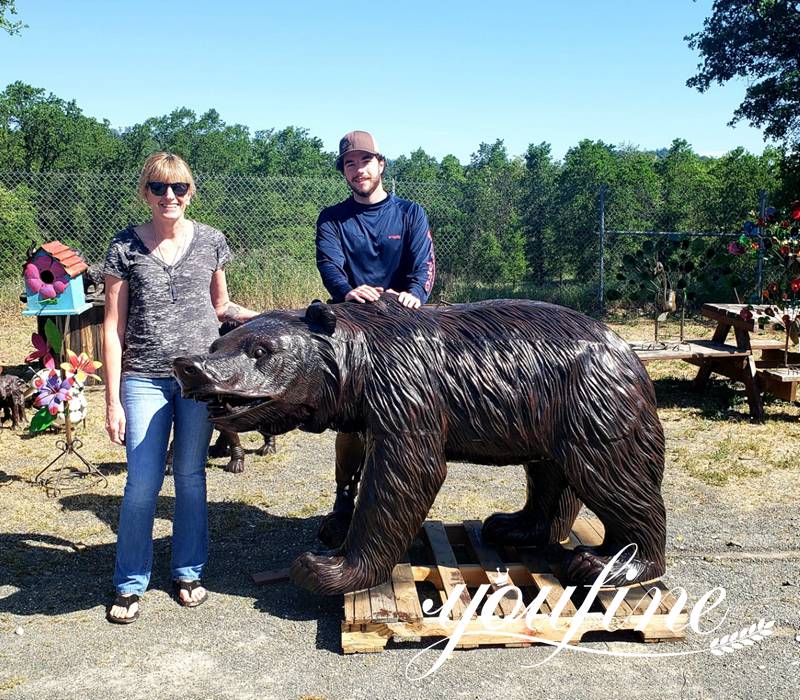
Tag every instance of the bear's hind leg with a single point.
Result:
(403, 474)
(349, 465)
(547, 516)
(622, 487)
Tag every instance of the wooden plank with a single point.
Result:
(405, 592)
(587, 534)
(371, 639)
(538, 572)
(368, 627)
(446, 563)
(782, 374)
(765, 344)
(382, 602)
(729, 315)
(598, 527)
(349, 609)
(694, 349)
(273, 576)
(490, 560)
(362, 609)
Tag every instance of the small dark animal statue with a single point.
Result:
(12, 399)
(499, 382)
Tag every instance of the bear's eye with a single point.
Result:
(259, 352)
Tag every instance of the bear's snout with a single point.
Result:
(190, 372)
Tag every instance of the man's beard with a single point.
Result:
(356, 187)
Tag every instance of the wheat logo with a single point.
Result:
(745, 637)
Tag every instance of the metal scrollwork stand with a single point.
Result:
(65, 473)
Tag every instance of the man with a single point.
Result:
(370, 243)
(373, 241)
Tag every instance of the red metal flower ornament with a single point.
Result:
(42, 351)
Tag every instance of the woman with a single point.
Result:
(165, 295)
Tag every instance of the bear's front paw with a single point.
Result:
(327, 574)
(334, 527)
(514, 528)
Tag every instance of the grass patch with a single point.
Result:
(11, 683)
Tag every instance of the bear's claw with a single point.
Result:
(327, 574)
(585, 566)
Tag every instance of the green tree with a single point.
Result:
(17, 229)
(739, 177)
(8, 8)
(687, 189)
(207, 143)
(418, 167)
(39, 132)
(538, 207)
(497, 244)
(586, 167)
(759, 41)
(291, 152)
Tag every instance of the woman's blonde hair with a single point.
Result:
(165, 167)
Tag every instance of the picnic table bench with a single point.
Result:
(733, 360)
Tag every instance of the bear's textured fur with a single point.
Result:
(496, 382)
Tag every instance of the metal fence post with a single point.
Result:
(394, 186)
(762, 212)
(602, 271)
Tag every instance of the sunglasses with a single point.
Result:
(179, 189)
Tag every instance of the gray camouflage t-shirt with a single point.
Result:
(169, 307)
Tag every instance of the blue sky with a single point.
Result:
(444, 76)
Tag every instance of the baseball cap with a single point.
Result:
(356, 141)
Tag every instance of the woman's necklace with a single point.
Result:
(178, 251)
(169, 268)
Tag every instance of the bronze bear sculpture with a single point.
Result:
(497, 382)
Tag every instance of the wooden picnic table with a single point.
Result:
(735, 359)
(742, 368)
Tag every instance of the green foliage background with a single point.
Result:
(503, 225)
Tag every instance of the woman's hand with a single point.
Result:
(115, 422)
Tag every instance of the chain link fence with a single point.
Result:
(487, 246)
(269, 223)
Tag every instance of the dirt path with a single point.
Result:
(277, 641)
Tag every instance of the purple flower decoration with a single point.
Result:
(53, 391)
(46, 276)
(736, 248)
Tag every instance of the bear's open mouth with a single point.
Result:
(224, 407)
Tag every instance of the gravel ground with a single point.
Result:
(277, 641)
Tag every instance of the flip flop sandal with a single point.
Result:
(189, 587)
(123, 601)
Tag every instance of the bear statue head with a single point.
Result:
(271, 373)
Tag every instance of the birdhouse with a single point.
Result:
(54, 281)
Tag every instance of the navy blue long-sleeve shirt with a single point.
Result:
(387, 245)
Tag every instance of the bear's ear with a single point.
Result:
(322, 316)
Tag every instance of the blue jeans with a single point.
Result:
(151, 406)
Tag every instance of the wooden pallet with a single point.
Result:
(448, 556)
